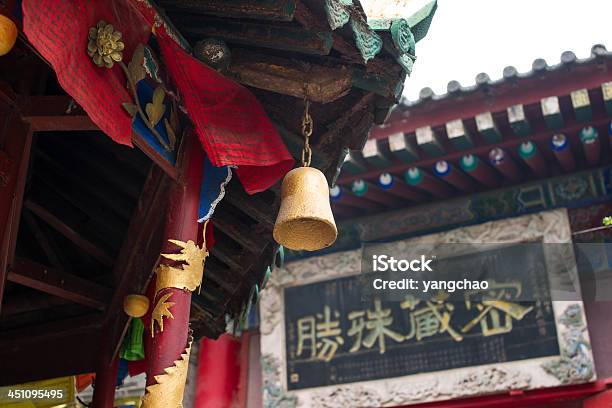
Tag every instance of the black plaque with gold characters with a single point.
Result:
(334, 336)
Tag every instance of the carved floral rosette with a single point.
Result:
(573, 365)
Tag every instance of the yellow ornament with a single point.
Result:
(135, 305)
(8, 34)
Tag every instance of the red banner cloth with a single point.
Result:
(230, 122)
(59, 30)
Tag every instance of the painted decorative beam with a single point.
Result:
(429, 141)
(540, 138)
(560, 146)
(451, 175)
(402, 147)
(582, 105)
(504, 163)
(343, 196)
(373, 193)
(58, 283)
(398, 187)
(518, 121)
(278, 37)
(487, 128)
(551, 111)
(289, 77)
(478, 170)
(606, 90)
(418, 178)
(458, 135)
(280, 10)
(530, 154)
(589, 137)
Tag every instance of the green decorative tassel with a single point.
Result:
(132, 348)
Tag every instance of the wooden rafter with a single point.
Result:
(58, 283)
(68, 232)
(46, 245)
(298, 79)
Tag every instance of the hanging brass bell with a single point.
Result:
(305, 220)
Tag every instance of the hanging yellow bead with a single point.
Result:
(135, 305)
(8, 34)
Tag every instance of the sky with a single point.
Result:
(467, 37)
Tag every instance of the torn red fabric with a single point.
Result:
(58, 29)
(230, 122)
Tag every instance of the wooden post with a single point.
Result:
(15, 145)
(105, 383)
(167, 346)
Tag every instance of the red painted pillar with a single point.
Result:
(105, 383)
(181, 224)
(218, 378)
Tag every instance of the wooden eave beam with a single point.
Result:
(318, 83)
(55, 113)
(49, 113)
(58, 283)
(279, 10)
(524, 91)
(68, 232)
(278, 37)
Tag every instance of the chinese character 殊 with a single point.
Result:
(376, 322)
(320, 335)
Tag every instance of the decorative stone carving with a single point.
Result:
(575, 364)
(474, 382)
(273, 394)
